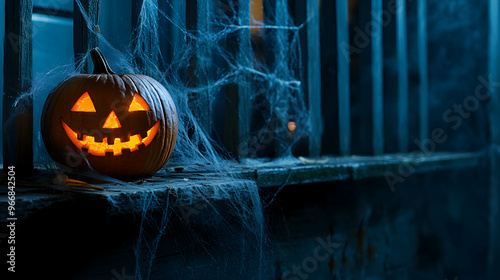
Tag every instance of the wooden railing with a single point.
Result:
(317, 18)
(194, 14)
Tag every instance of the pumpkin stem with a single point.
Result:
(101, 66)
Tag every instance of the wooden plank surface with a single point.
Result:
(33, 196)
(84, 36)
(343, 77)
(172, 225)
(18, 71)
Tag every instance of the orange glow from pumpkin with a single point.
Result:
(112, 121)
(101, 148)
(138, 104)
(83, 104)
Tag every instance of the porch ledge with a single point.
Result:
(33, 197)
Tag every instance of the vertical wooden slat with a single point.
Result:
(2, 35)
(343, 77)
(314, 77)
(204, 63)
(361, 81)
(238, 113)
(378, 78)
(423, 69)
(402, 54)
(198, 20)
(85, 38)
(18, 71)
(494, 69)
(276, 14)
(494, 153)
(244, 59)
(172, 21)
(144, 24)
(329, 84)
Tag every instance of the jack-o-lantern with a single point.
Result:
(121, 125)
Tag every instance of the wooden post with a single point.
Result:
(146, 50)
(402, 54)
(84, 36)
(343, 77)
(199, 20)
(18, 72)
(308, 13)
(204, 63)
(314, 77)
(329, 84)
(423, 69)
(378, 78)
(277, 45)
(171, 36)
(238, 103)
(494, 154)
(361, 41)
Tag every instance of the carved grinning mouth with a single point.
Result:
(101, 148)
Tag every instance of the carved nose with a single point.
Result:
(112, 121)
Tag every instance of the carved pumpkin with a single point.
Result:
(121, 125)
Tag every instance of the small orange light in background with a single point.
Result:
(292, 126)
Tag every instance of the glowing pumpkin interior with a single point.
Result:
(95, 148)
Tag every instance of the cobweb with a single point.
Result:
(224, 223)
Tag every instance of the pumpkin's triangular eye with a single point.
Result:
(84, 104)
(138, 104)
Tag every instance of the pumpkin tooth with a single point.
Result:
(117, 149)
(135, 140)
(88, 139)
(97, 150)
(79, 136)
